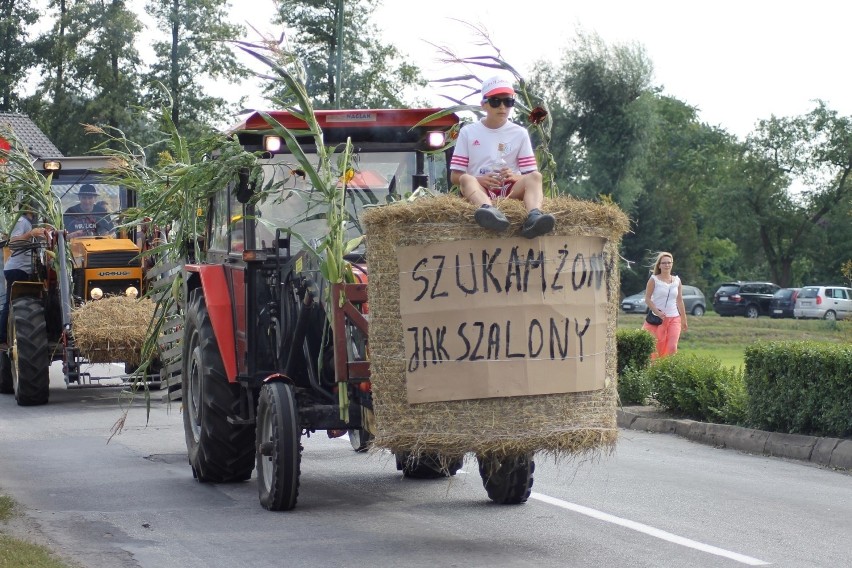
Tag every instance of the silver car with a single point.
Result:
(824, 302)
(693, 301)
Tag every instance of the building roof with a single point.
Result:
(37, 143)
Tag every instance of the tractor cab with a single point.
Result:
(105, 258)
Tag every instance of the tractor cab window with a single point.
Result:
(88, 208)
(374, 178)
(238, 235)
(219, 222)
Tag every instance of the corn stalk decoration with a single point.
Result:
(329, 181)
(175, 190)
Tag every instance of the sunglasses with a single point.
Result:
(496, 101)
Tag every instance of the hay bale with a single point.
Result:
(562, 424)
(112, 329)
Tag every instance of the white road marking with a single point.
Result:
(651, 531)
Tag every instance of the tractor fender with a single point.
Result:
(221, 312)
(23, 288)
(278, 378)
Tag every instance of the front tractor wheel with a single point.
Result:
(279, 452)
(219, 451)
(508, 480)
(28, 351)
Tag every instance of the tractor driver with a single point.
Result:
(86, 218)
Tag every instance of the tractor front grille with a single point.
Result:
(113, 259)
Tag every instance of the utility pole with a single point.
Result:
(338, 88)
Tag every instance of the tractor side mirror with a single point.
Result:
(244, 189)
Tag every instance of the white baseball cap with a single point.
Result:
(496, 86)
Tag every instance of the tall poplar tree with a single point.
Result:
(197, 52)
(107, 63)
(374, 75)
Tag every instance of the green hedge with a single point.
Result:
(634, 347)
(800, 387)
(699, 387)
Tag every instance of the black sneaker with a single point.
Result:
(491, 218)
(537, 224)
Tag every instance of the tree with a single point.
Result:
(89, 73)
(814, 151)
(375, 74)
(197, 53)
(107, 61)
(684, 161)
(603, 104)
(16, 53)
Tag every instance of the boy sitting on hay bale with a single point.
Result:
(494, 158)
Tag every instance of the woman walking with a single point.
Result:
(664, 297)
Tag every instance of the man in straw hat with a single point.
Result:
(86, 218)
(494, 158)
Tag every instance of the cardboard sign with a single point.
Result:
(504, 317)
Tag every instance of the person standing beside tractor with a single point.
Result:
(87, 219)
(494, 158)
(19, 265)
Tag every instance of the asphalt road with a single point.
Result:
(658, 501)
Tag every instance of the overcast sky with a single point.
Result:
(738, 61)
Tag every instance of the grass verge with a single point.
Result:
(15, 553)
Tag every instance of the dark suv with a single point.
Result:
(749, 299)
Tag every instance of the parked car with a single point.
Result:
(825, 302)
(693, 300)
(634, 304)
(783, 302)
(749, 299)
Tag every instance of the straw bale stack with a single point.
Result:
(112, 329)
(563, 424)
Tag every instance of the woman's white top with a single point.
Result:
(661, 291)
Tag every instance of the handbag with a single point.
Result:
(654, 319)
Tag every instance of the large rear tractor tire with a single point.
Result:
(29, 353)
(279, 451)
(6, 385)
(508, 480)
(219, 451)
(427, 466)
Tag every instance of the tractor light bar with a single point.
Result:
(52, 165)
(272, 143)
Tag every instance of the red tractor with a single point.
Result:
(261, 364)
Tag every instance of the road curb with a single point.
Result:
(829, 452)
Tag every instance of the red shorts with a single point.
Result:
(502, 192)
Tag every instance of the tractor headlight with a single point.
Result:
(436, 139)
(96, 294)
(272, 143)
(131, 292)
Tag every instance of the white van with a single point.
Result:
(824, 302)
